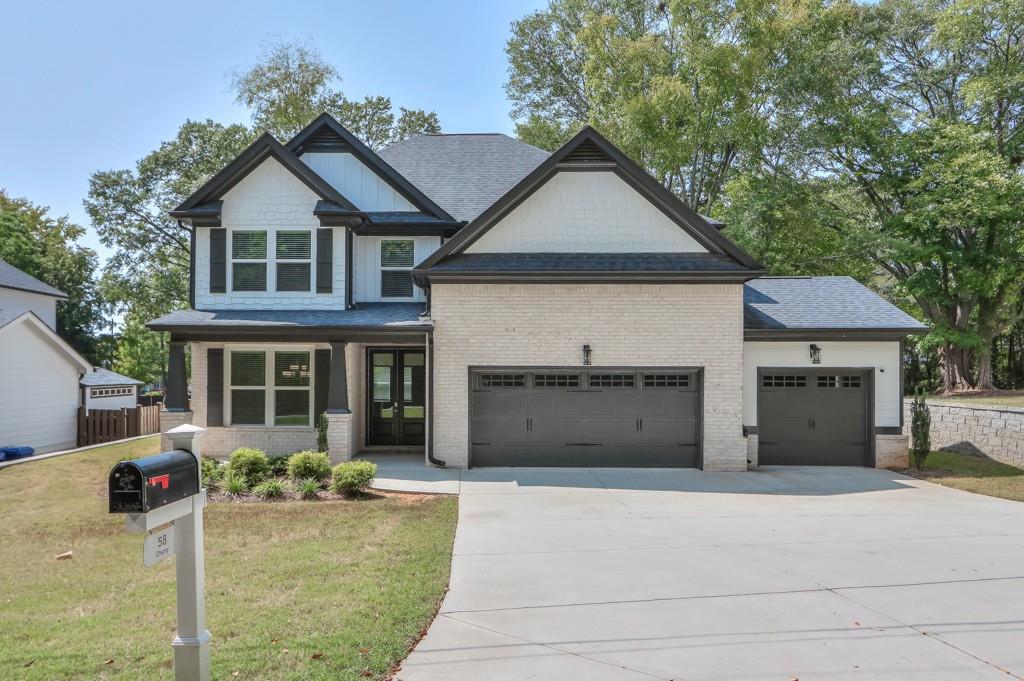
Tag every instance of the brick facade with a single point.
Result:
(685, 325)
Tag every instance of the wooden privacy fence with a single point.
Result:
(108, 425)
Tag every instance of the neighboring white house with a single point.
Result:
(105, 389)
(39, 371)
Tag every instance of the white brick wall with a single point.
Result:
(269, 198)
(547, 324)
(595, 212)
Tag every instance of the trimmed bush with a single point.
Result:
(308, 489)
(278, 465)
(309, 465)
(269, 489)
(353, 476)
(252, 464)
(211, 469)
(235, 484)
(920, 430)
(321, 432)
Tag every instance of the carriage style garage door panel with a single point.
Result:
(814, 417)
(596, 417)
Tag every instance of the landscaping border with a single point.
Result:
(995, 432)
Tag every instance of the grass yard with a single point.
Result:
(349, 583)
(973, 474)
(998, 398)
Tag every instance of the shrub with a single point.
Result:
(308, 489)
(211, 469)
(313, 465)
(269, 489)
(353, 476)
(321, 432)
(235, 484)
(920, 430)
(252, 464)
(278, 465)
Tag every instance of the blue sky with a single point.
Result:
(97, 85)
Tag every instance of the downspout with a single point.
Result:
(430, 405)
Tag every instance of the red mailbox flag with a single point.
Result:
(160, 481)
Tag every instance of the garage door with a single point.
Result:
(813, 417)
(554, 417)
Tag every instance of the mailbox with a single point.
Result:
(144, 485)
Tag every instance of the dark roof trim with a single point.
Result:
(332, 214)
(425, 277)
(596, 154)
(370, 158)
(406, 229)
(830, 334)
(257, 152)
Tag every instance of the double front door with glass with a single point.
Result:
(397, 386)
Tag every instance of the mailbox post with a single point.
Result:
(167, 489)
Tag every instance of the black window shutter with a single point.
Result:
(218, 260)
(321, 381)
(324, 260)
(215, 387)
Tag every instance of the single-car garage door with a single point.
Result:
(601, 417)
(813, 417)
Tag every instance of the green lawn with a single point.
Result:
(352, 582)
(974, 474)
(984, 401)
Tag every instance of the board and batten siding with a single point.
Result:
(366, 266)
(40, 393)
(269, 198)
(591, 212)
(882, 356)
(44, 307)
(356, 182)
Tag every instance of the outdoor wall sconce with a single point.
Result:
(815, 354)
(586, 355)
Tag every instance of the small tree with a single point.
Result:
(321, 433)
(920, 430)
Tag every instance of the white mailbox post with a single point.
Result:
(163, 498)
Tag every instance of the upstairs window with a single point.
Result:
(396, 261)
(293, 262)
(248, 261)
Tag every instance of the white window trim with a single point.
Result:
(268, 383)
(230, 274)
(311, 284)
(382, 269)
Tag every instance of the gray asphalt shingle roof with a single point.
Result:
(463, 173)
(366, 315)
(588, 262)
(12, 277)
(776, 303)
(106, 377)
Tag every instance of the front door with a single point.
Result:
(397, 394)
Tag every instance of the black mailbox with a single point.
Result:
(143, 485)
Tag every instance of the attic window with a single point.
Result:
(396, 261)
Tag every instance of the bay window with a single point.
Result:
(271, 387)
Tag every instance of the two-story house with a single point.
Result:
(488, 303)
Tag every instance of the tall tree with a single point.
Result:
(292, 84)
(46, 248)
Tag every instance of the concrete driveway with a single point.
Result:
(786, 573)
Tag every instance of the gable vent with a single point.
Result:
(325, 139)
(586, 152)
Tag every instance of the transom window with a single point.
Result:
(666, 380)
(612, 380)
(270, 387)
(838, 381)
(397, 257)
(827, 381)
(293, 260)
(248, 260)
(110, 392)
(850, 381)
(783, 381)
(556, 380)
(502, 380)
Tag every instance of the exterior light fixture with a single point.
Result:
(586, 355)
(815, 354)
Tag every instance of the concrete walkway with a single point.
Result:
(786, 573)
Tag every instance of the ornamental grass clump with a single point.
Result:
(268, 490)
(235, 484)
(352, 477)
(308, 489)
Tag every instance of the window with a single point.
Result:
(851, 381)
(248, 261)
(110, 392)
(282, 398)
(556, 380)
(768, 381)
(293, 262)
(827, 381)
(396, 261)
(666, 380)
(502, 380)
(612, 381)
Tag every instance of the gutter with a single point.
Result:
(430, 405)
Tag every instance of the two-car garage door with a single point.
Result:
(595, 417)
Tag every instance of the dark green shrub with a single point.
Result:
(269, 489)
(278, 465)
(321, 432)
(353, 476)
(235, 484)
(252, 464)
(313, 465)
(920, 430)
(211, 468)
(308, 489)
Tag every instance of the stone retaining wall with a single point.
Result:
(996, 432)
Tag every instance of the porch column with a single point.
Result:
(337, 390)
(175, 398)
